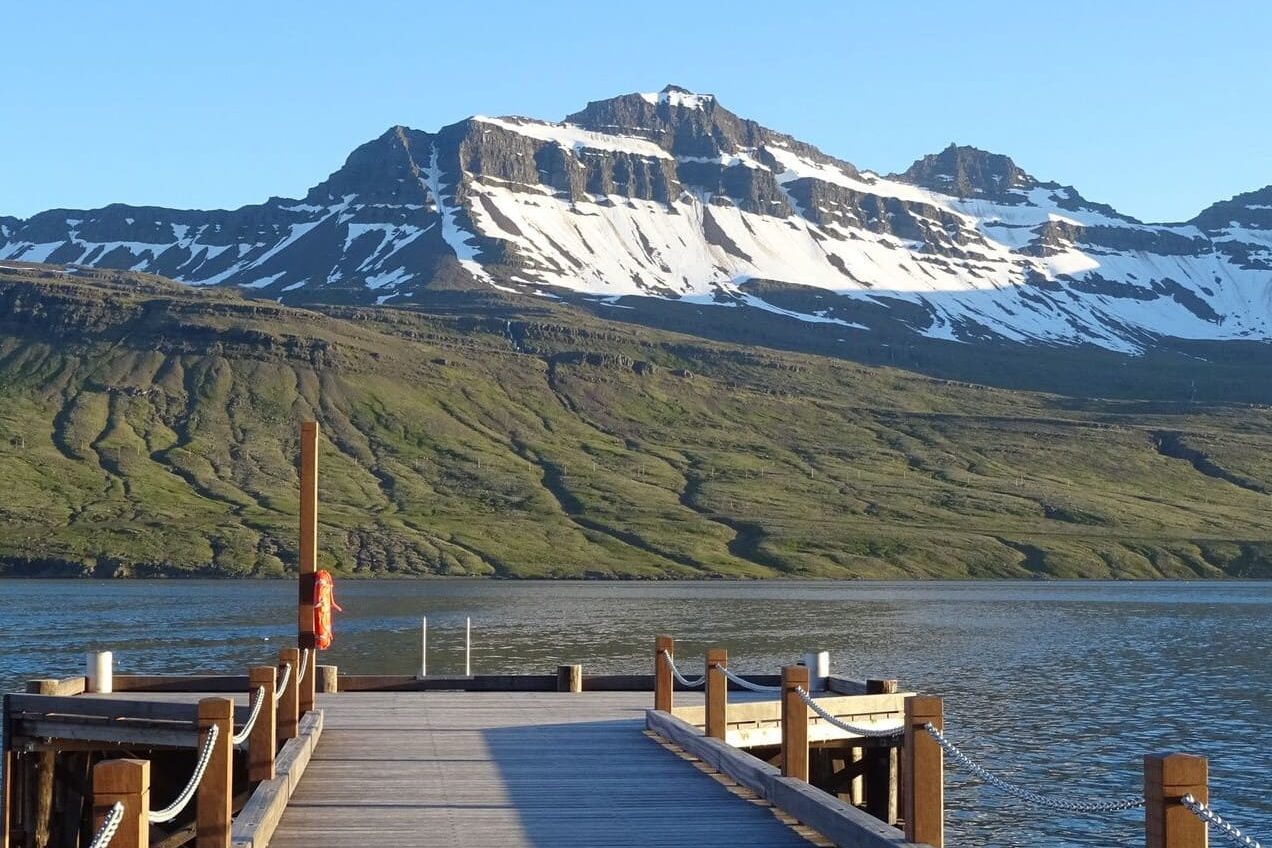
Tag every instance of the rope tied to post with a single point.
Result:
(746, 684)
(282, 681)
(877, 732)
(1028, 796)
(1209, 816)
(174, 809)
(304, 664)
(110, 824)
(675, 672)
(241, 736)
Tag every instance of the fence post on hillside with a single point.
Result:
(215, 795)
(262, 741)
(881, 766)
(1167, 779)
(288, 704)
(924, 772)
(794, 723)
(717, 692)
(126, 782)
(662, 672)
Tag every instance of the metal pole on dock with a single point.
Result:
(424, 646)
(468, 647)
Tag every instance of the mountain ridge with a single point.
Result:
(670, 196)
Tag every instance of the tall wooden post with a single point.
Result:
(663, 681)
(216, 790)
(262, 742)
(7, 761)
(126, 782)
(289, 703)
(881, 767)
(308, 559)
(41, 766)
(794, 723)
(1167, 779)
(717, 692)
(924, 772)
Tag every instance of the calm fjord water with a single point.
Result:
(1058, 686)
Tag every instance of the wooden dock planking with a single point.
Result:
(509, 769)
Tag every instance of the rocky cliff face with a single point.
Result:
(670, 195)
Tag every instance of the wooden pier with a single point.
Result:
(290, 753)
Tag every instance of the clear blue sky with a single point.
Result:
(1159, 108)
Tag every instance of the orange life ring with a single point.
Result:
(324, 603)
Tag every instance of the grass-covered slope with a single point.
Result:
(150, 428)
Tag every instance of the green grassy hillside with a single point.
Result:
(148, 428)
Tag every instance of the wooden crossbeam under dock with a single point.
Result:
(509, 769)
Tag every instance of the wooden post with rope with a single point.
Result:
(308, 562)
(288, 704)
(126, 782)
(717, 692)
(663, 682)
(924, 772)
(215, 793)
(1167, 779)
(262, 741)
(794, 723)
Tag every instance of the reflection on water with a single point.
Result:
(1054, 685)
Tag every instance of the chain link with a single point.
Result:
(1033, 798)
(174, 809)
(843, 725)
(675, 672)
(241, 736)
(1209, 816)
(109, 825)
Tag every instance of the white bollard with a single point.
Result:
(818, 665)
(424, 646)
(99, 674)
(468, 647)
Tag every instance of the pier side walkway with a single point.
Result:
(508, 770)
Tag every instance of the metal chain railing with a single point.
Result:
(843, 725)
(241, 736)
(110, 824)
(1209, 816)
(174, 809)
(282, 681)
(675, 672)
(1029, 797)
(746, 684)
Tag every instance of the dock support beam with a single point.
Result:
(924, 772)
(881, 767)
(216, 790)
(717, 692)
(126, 782)
(1167, 779)
(308, 559)
(662, 673)
(262, 742)
(794, 723)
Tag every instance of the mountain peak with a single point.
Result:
(676, 95)
(966, 171)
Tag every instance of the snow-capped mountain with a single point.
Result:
(670, 195)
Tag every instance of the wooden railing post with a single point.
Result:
(288, 705)
(262, 742)
(569, 678)
(717, 692)
(663, 682)
(328, 679)
(881, 767)
(308, 565)
(1167, 779)
(924, 772)
(216, 790)
(794, 723)
(126, 782)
